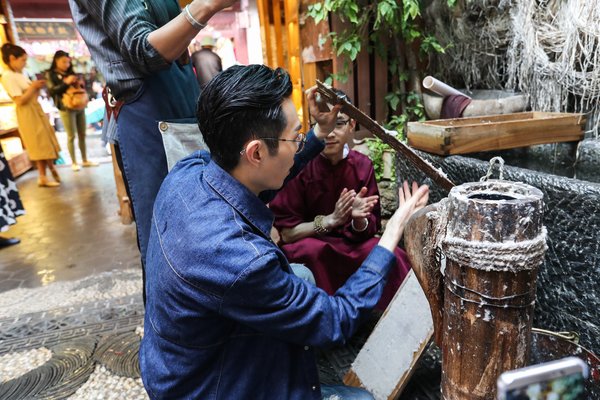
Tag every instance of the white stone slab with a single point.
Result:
(386, 361)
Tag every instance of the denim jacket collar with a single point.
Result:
(240, 198)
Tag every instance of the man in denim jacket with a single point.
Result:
(225, 317)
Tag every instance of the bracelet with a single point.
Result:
(363, 229)
(318, 225)
(190, 18)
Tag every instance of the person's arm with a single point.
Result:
(339, 216)
(409, 202)
(31, 93)
(173, 39)
(366, 213)
(134, 31)
(364, 220)
(54, 85)
(275, 302)
(279, 304)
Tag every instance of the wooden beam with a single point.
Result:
(265, 29)
(280, 61)
(436, 175)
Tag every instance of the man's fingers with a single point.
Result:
(401, 197)
(336, 109)
(311, 93)
(407, 194)
(421, 194)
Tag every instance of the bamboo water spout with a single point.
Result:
(493, 241)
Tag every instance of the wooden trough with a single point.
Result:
(494, 132)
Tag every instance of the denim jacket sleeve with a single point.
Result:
(282, 305)
(127, 23)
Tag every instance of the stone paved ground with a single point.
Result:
(74, 280)
(69, 232)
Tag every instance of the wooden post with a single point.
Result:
(265, 27)
(494, 245)
(279, 59)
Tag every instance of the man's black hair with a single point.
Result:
(240, 104)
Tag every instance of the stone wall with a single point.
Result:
(568, 290)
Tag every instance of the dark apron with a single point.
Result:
(169, 95)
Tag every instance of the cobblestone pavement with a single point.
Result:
(71, 311)
(70, 292)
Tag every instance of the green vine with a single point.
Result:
(373, 26)
(376, 149)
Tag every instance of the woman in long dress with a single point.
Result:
(10, 203)
(35, 129)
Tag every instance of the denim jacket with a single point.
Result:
(225, 317)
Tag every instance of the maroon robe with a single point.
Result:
(333, 257)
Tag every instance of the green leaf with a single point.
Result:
(393, 100)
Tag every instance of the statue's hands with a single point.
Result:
(325, 120)
(343, 210)
(362, 206)
(409, 202)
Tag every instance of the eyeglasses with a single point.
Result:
(300, 140)
(340, 123)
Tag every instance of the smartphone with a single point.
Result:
(556, 380)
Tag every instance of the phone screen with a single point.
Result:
(570, 387)
(556, 380)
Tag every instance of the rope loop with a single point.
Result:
(506, 256)
(494, 161)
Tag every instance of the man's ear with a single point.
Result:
(352, 123)
(253, 152)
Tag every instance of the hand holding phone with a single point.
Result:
(560, 379)
(39, 83)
